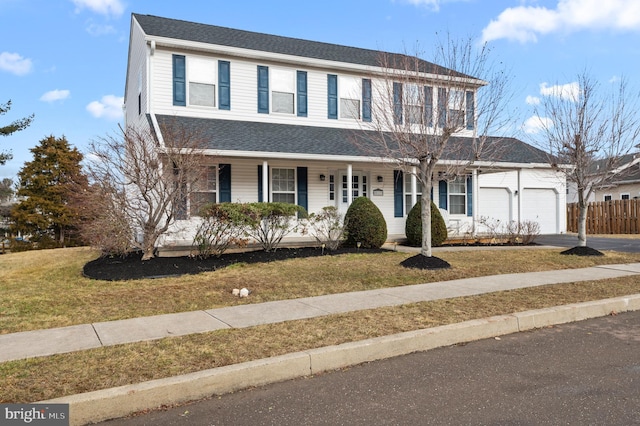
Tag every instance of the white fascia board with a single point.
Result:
(296, 60)
(358, 159)
(156, 129)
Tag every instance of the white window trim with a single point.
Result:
(216, 191)
(450, 193)
(354, 93)
(604, 197)
(190, 63)
(408, 192)
(295, 183)
(273, 86)
(622, 194)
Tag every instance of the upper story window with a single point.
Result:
(460, 108)
(282, 91)
(195, 80)
(350, 94)
(414, 104)
(348, 97)
(201, 74)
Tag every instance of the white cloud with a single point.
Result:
(434, 5)
(532, 100)
(534, 125)
(103, 7)
(15, 64)
(526, 23)
(97, 30)
(55, 95)
(568, 92)
(109, 107)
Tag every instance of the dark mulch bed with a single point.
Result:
(425, 262)
(131, 267)
(583, 251)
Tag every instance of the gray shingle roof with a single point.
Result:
(212, 34)
(231, 135)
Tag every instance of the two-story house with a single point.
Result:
(280, 113)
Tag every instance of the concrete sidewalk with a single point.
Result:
(86, 336)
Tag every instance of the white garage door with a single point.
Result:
(541, 205)
(495, 204)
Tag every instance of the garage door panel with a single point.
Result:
(541, 205)
(495, 205)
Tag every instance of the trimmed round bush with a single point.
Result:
(413, 226)
(365, 224)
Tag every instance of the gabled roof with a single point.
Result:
(212, 34)
(251, 136)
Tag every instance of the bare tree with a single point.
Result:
(591, 130)
(435, 116)
(149, 178)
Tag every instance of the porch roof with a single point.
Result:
(251, 136)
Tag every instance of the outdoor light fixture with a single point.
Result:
(322, 178)
(380, 179)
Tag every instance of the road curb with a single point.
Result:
(121, 401)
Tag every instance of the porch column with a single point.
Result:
(349, 184)
(414, 188)
(475, 202)
(519, 197)
(265, 182)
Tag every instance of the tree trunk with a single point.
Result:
(425, 200)
(582, 218)
(582, 224)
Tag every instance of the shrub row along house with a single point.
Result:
(280, 115)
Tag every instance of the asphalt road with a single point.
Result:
(628, 245)
(581, 373)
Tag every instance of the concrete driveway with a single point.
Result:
(628, 245)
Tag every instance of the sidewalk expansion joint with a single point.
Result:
(218, 319)
(97, 335)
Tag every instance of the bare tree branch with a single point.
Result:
(591, 129)
(427, 116)
(148, 179)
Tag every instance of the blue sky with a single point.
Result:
(65, 60)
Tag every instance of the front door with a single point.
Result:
(359, 188)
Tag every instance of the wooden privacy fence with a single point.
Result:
(607, 217)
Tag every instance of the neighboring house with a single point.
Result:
(279, 114)
(622, 182)
(626, 184)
